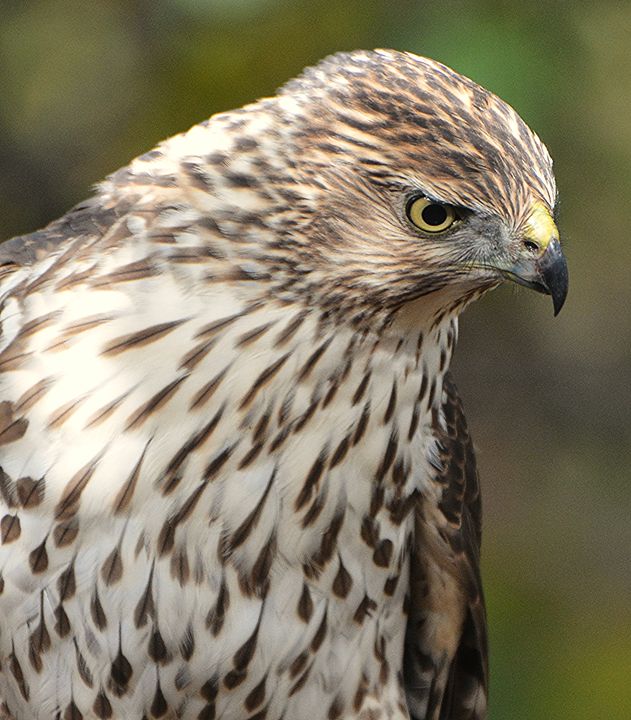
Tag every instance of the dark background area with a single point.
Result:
(85, 86)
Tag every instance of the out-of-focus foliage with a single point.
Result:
(86, 86)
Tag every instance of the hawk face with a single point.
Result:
(416, 181)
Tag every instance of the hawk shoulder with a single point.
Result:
(87, 219)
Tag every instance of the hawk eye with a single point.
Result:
(430, 216)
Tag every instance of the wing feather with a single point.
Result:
(446, 656)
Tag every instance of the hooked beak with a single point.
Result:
(546, 274)
(541, 265)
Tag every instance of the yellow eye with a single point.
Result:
(430, 216)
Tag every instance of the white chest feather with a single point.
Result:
(207, 506)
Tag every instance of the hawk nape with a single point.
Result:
(236, 477)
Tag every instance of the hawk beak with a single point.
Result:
(542, 265)
(546, 274)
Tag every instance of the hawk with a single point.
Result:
(236, 478)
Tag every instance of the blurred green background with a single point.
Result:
(85, 86)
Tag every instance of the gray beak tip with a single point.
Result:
(552, 268)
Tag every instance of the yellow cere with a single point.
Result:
(540, 227)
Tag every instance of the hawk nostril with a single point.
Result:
(531, 246)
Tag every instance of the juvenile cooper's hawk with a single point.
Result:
(236, 478)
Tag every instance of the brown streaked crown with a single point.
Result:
(465, 145)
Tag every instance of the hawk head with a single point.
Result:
(408, 179)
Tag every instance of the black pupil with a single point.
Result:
(434, 214)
